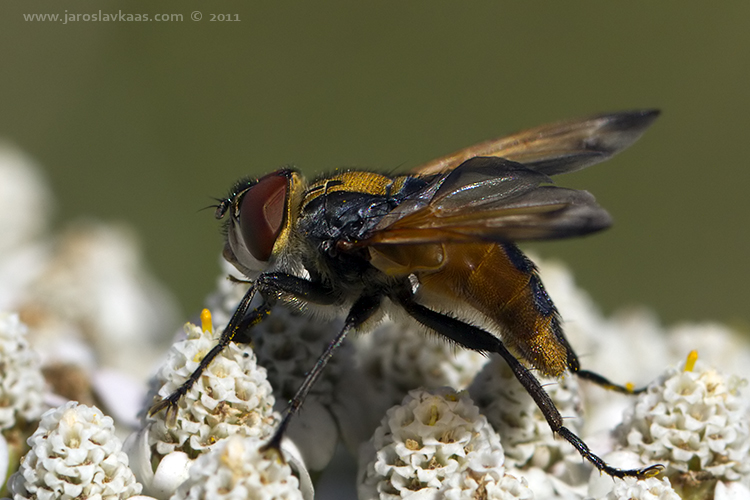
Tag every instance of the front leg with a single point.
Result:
(270, 286)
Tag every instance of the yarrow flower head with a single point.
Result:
(236, 468)
(695, 422)
(525, 433)
(232, 396)
(22, 382)
(646, 489)
(74, 454)
(397, 357)
(91, 290)
(436, 444)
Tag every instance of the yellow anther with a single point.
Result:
(206, 324)
(433, 415)
(630, 387)
(690, 361)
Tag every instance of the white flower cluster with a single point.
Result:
(341, 404)
(74, 454)
(96, 317)
(92, 291)
(398, 357)
(436, 443)
(647, 489)
(90, 306)
(22, 382)
(288, 343)
(691, 420)
(236, 469)
(232, 396)
(524, 431)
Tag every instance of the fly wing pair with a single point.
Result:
(498, 190)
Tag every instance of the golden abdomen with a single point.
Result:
(500, 282)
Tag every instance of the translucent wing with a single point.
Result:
(489, 199)
(560, 147)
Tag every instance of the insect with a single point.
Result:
(435, 245)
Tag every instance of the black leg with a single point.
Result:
(270, 285)
(361, 311)
(235, 323)
(477, 339)
(610, 386)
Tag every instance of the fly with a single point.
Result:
(433, 243)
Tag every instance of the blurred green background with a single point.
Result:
(143, 122)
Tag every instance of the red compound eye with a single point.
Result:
(261, 214)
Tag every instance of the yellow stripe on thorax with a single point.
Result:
(354, 182)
